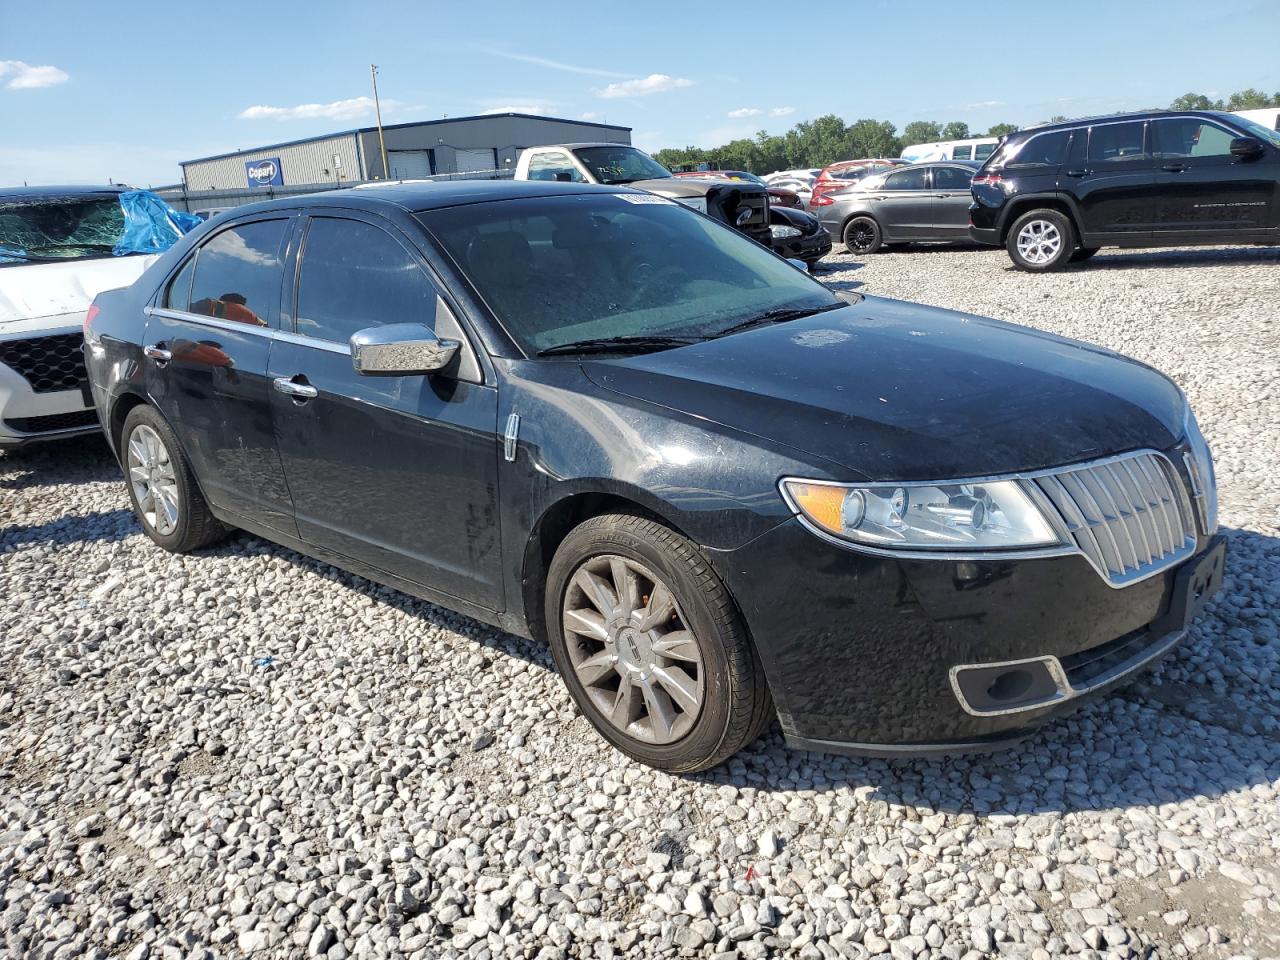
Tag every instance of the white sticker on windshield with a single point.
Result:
(641, 198)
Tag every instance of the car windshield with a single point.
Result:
(588, 267)
(620, 164)
(1255, 129)
(37, 229)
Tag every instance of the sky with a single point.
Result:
(115, 99)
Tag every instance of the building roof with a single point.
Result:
(401, 126)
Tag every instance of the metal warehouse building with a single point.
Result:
(414, 150)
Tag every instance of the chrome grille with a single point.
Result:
(1130, 515)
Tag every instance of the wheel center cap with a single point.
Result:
(633, 648)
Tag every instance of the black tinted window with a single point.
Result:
(983, 150)
(238, 274)
(1045, 150)
(1116, 141)
(178, 294)
(355, 275)
(915, 179)
(951, 178)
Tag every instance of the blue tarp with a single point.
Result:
(150, 224)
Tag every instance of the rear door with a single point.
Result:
(1116, 187)
(398, 472)
(951, 199)
(1203, 188)
(207, 346)
(904, 205)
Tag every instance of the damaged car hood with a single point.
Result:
(900, 392)
(29, 291)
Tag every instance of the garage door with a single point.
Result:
(473, 161)
(409, 164)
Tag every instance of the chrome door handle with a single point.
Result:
(302, 391)
(158, 353)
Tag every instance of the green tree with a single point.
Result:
(1002, 129)
(871, 138)
(1195, 101)
(1058, 119)
(922, 131)
(818, 142)
(773, 152)
(1252, 99)
(740, 155)
(956, 130)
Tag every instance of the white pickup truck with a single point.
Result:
(739, 203)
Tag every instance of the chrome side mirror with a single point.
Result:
(400, 350)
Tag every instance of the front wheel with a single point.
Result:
(164, 494)
(651, 646)
(1041, 240)
(862, 235)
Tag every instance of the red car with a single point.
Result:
(777, 195)
(837, 176)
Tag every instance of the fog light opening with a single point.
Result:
(1010, 685)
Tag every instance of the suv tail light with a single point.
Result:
(89, 317)
(987, 179)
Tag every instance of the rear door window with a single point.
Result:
(177, 295)
(1117, 142)
(356, 275)
(911, 179)
(951, 178)
(239, 272)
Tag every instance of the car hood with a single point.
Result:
(894, 391)
(677, 187)
(29, 291)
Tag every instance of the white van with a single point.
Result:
(1269, 117)
(977, 148)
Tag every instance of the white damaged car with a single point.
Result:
(55, 256)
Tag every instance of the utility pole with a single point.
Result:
(377, 107)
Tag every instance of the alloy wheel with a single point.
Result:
(632, 649)
(1039, 241)
(863, 235)
(155, 488)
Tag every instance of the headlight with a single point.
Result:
(960, 516)
(781, 232)
(694, 203)
(1204, 484)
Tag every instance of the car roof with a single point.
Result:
(433, 195)
(1120, 118)
(575, 146)
(71, 190)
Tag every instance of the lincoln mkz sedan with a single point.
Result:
(720, 491)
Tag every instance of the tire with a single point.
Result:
(165, 498)
(1083, 253)
(1041, 240)
(862, 235)
(622, 658)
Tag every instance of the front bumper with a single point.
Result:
(861, 651)
(27, 416)
(810, 249)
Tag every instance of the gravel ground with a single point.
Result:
(246, 752)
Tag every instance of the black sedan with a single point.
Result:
(717, 489)
(922, 202)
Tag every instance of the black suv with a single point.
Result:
(1054, 194)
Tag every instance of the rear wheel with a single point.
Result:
(1083, 253)
(651, 646)
(1041, 240)
(164, 494)
(862, 235)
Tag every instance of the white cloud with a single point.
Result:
(550, 64)
(533, 108)
(743, 112)
(782, 111)
(644, 86)
(337, 110)
(984, 105)
(23, 76)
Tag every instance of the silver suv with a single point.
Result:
(920, 202)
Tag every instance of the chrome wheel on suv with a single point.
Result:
(632, 650)
(1041, 240)
(155, 488)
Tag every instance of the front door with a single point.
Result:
(904, 205)
(951, 199)
(1203, 188)
(208, 340)
(398, 472)
(1116, 187)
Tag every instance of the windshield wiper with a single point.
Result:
(633, 344)
(781, 315)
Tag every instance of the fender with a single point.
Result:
(1022, 203)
